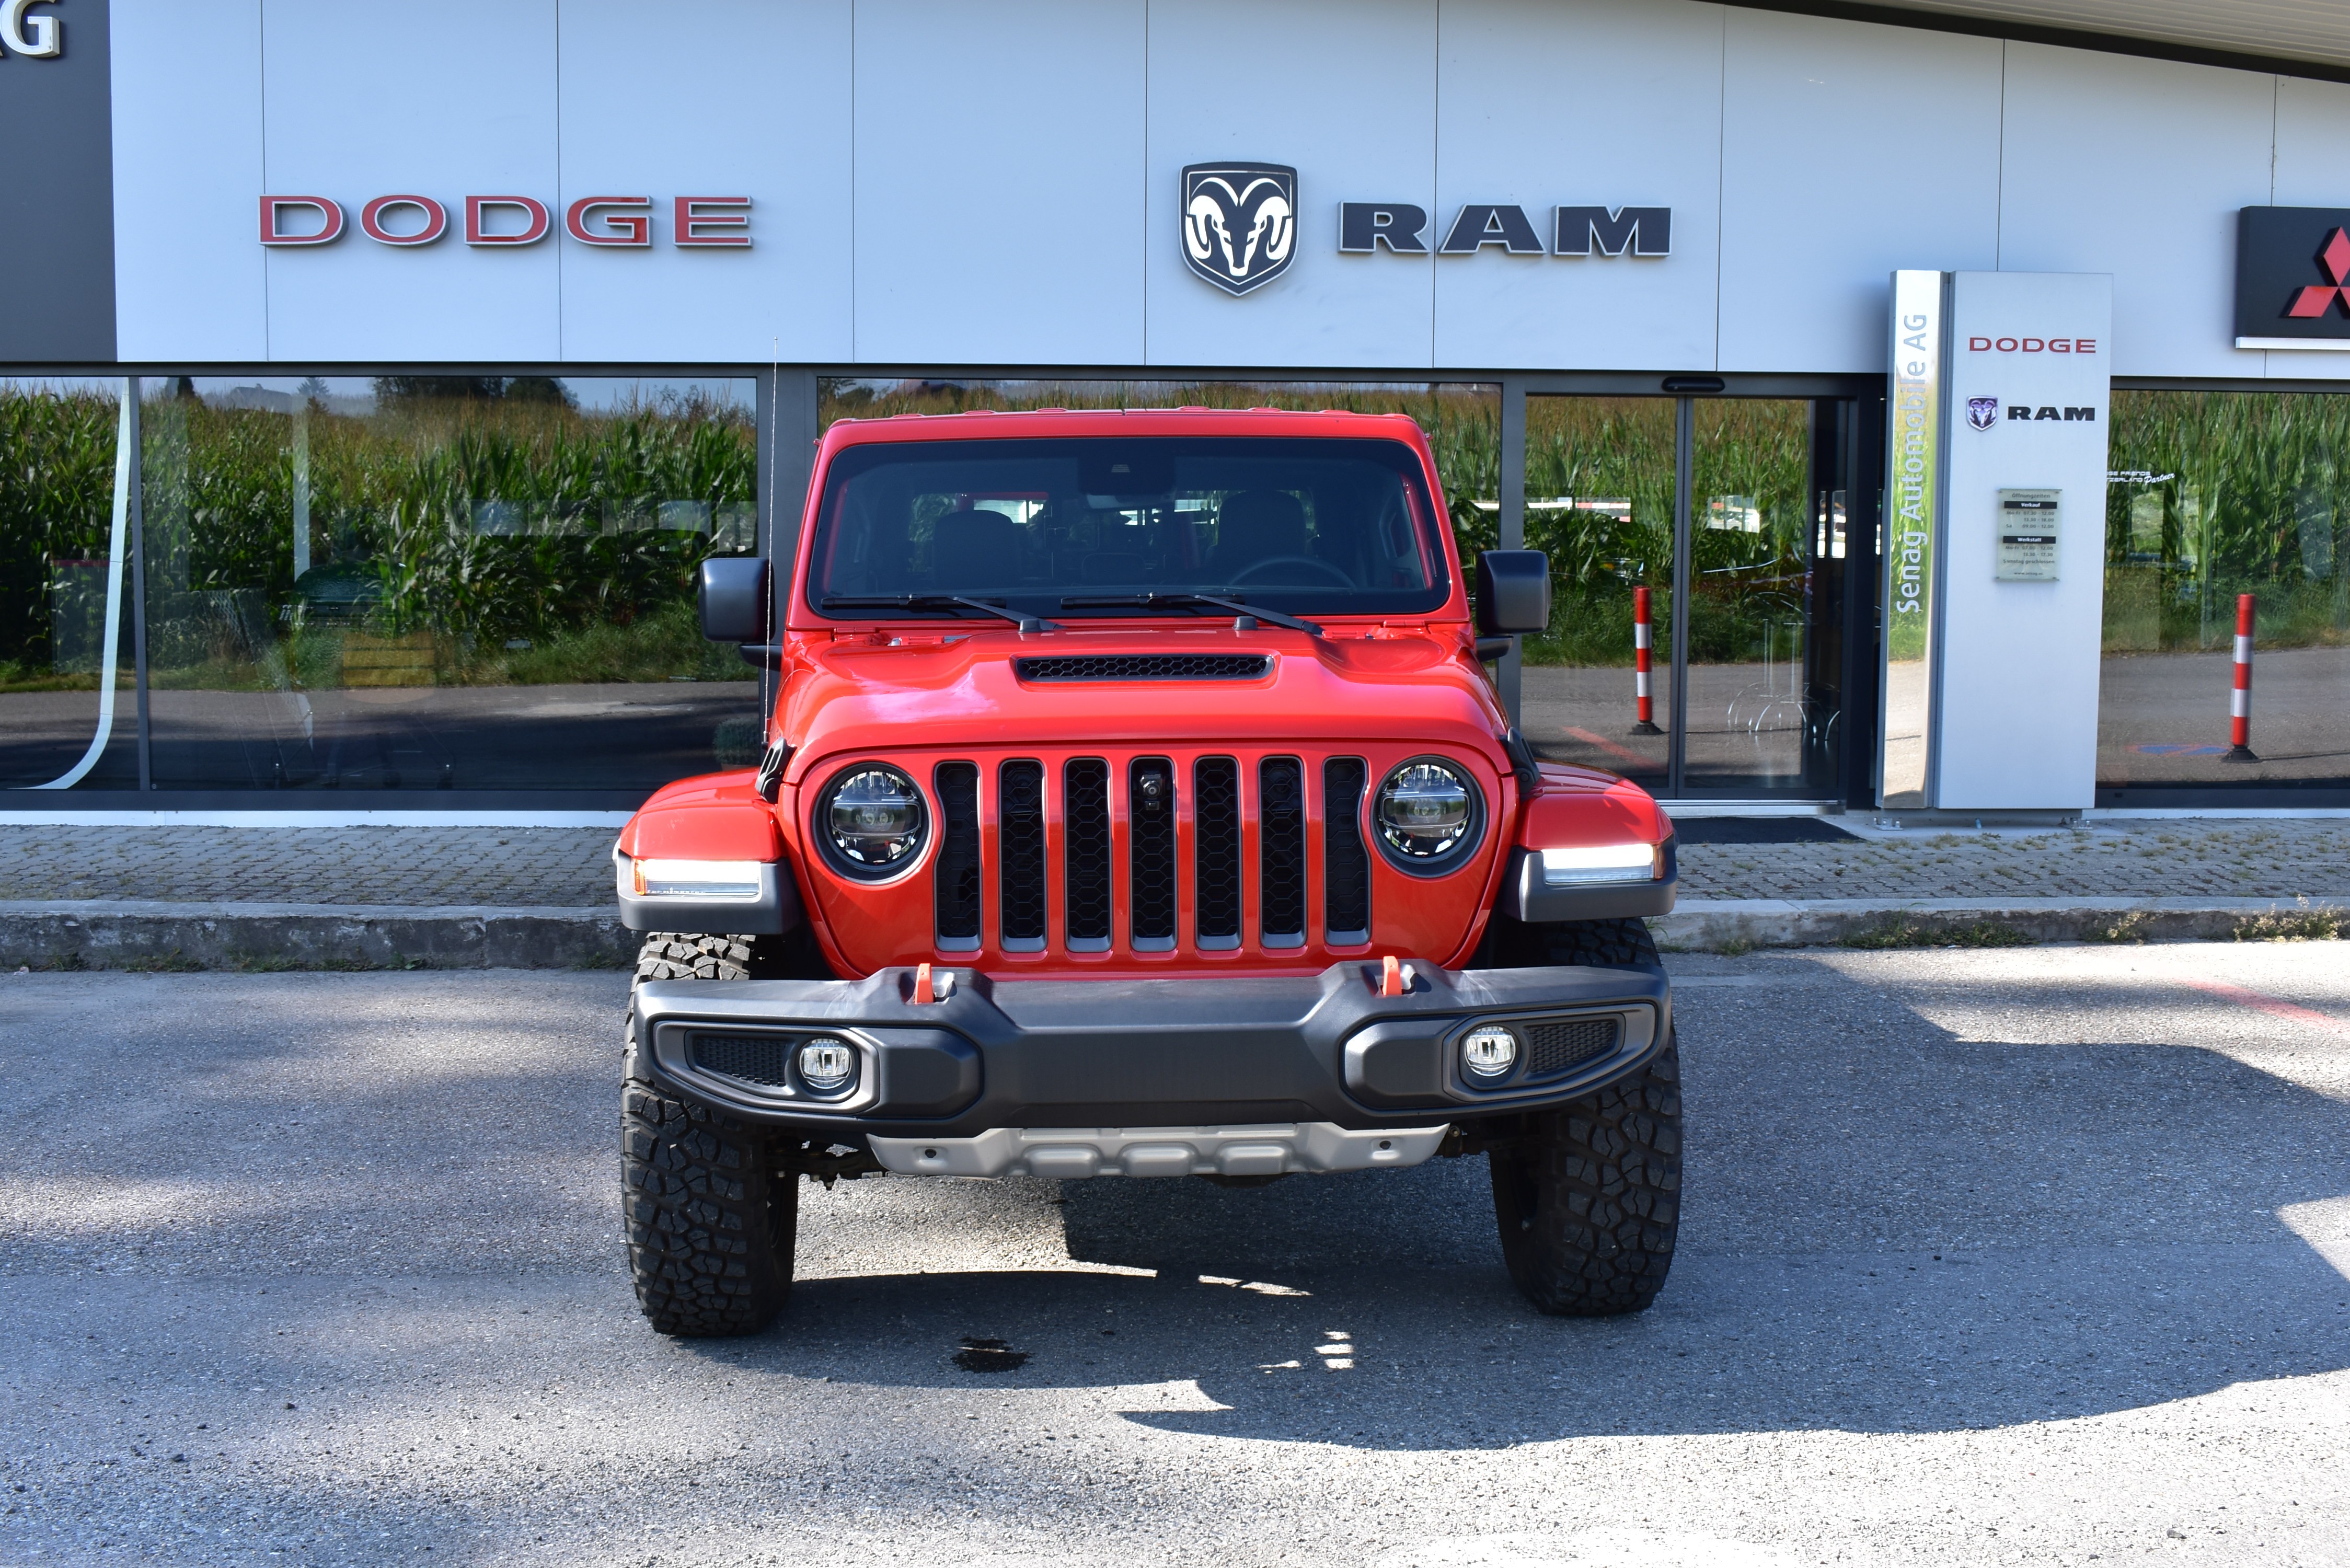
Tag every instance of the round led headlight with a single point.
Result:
(1428, 813)
(1489, 1052)
(826, 1064)
(870, 820)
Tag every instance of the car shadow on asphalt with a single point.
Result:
(1889, 1229)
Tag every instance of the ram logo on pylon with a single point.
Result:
(1240, 222)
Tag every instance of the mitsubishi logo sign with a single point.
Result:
(2293, 277)
(1240, 222)
(2316, 299)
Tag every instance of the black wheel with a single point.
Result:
(1588, 1197)
(710, 1215)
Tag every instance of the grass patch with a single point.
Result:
(2125, 928)
(246, 962)
(172, 963)
(2301, 924)
(1734, 947)
(1917, 934)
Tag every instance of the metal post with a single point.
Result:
(1684, 426)
(1513, 522)
(139, 586)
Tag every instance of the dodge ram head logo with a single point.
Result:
(1240, 222)
(1982, 412)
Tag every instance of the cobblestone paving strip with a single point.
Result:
(348, 867)
(570, 866)
(2171, 858)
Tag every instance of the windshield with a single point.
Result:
(1326, 526)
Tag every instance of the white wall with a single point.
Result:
(1849, 152)
(1000, 189)
(942, 183)
(1299, 80)
(189, 279)
(1606, 103)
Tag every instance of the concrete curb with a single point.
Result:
(1713, 924)
(151, 934)
(142, 934)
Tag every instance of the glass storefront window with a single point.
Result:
(1599, 499)
(68, 697)
(2213, 495)
(417, 583)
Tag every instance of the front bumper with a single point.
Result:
(1205, 1061)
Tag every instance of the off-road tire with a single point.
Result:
(1588, 1197)
(1588, 1201)
(688, 955)
(712, 1222)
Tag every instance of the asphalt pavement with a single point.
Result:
(2030, 1255)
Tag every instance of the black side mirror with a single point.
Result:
(734, 599)
(1513, 592)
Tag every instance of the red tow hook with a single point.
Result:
(1395, 976)
(927, 990)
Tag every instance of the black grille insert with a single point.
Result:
(955, 883)
(755, 1058)
(1281, 850)
(1020, 848)
(1346, 863)
(1145, 667)
(1151, 853)
(1216, 851)
(1085, 786)
(1554, 1047)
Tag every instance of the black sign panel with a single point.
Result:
(2292, 272)
(57, 204)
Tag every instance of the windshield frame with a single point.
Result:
(1430, 526)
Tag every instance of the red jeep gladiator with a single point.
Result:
(1135, 803)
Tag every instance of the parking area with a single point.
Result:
(2036, 1255)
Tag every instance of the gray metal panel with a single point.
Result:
(57, 206)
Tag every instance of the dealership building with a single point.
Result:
(1956, 393)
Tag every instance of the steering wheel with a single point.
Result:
(1325, 568)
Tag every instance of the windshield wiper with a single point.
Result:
(935, 602)
(1191, 601)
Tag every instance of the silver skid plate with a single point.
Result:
(1069, 1153)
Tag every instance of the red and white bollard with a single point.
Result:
(1640, 644)
(2239, 700)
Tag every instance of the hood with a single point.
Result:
(979, 688)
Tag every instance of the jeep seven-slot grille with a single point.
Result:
(1345, 864)
(1555, 1047)
(1144, 854)
(957, 878)
(1281, 850)
(1084, 846)
(1020, 849)
(1151, 806)
(1145, 667)
(1216, 851)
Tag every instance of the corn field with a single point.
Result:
(527, 541)
(2220, 493)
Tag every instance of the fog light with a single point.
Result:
(1489, 1052)
(826, 1064)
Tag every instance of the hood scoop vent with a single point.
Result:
(1147, 667)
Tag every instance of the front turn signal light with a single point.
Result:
(1577, 864)
(697, 878)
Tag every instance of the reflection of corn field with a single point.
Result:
(57, 492)
(474, 523)
(2218, 493)
(1747, 571)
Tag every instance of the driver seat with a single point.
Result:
(1255, 526)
